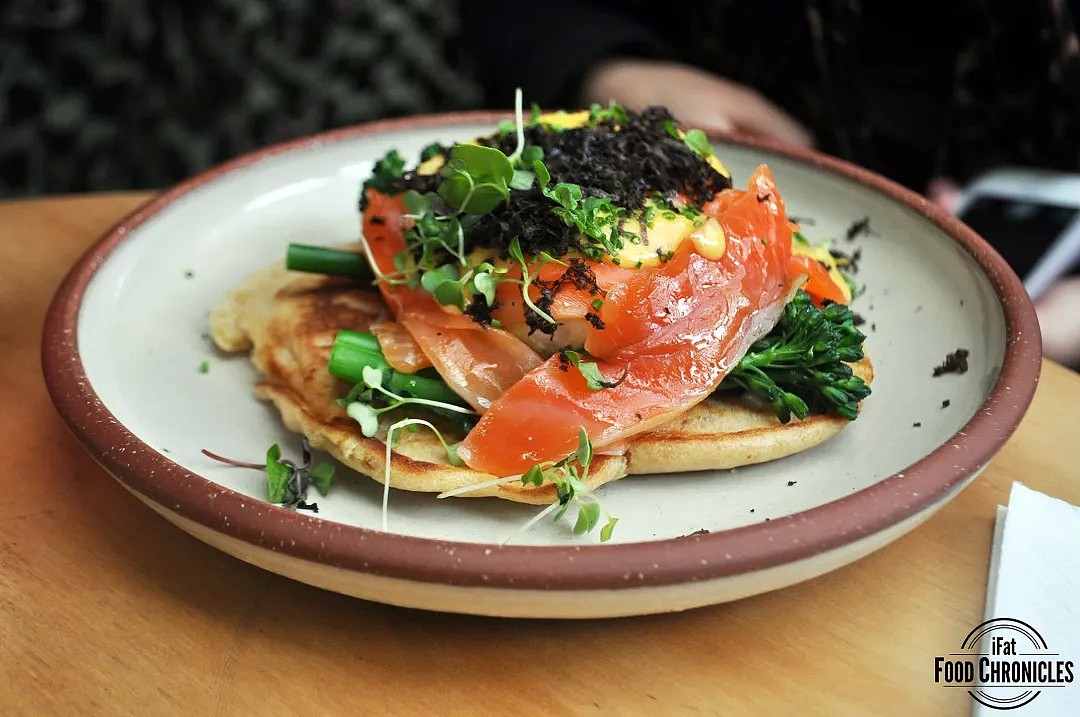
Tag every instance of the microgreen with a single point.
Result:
(451, 455)
(594, 379)
(476, 179)
(612, 113)
(570, 477)
(358, 403)
(698, 142)
(286, 482)
(596, 219)
(514, 249)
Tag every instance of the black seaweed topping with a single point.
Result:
(479, 309)
(578, 275)
(956, 362)
(625, 163)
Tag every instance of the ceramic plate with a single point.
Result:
(127, 333)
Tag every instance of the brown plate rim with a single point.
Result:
(579, 567)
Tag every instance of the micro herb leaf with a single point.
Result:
(671, 129)
(523, 179)
(584, 453)
(417, 203)
(612, 113)
(594, 379)
(449, 293)
(321, 475)
(484, 283)
(533, 476)
(543, 176)
(798, 236)
(277, 475)
(531, 154)
(608, 529)
(452, 454)
(476, 179)
(514, 250)
(372, 376)
(433, 278)
(366, 416)
(506, 127)
(587, 518)
(698, 141)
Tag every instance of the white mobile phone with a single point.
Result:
(1031, 217)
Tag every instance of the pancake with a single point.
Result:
(288, 321)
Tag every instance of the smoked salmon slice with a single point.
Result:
(671, 333)
(478, 362)
(399, 347)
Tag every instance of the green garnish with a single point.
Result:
(409, 423)
(802, 365)
(357, 357)
(432, 150)
(204, 367)
(597, 219)
(384, 177)
(527, 278)
(277, 475)
(698, 141)
(476, 179)
(571, 486)
(612, 113)
(286, 482)
(594, 380)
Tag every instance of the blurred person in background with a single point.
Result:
(928, 94)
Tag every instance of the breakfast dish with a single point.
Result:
(578, 297)
(148, 409)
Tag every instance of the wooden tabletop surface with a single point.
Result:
(107, 609)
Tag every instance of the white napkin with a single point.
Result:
(1035, 577)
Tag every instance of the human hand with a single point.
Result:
(694, 96)
(1058, 310)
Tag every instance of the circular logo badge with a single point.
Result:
(1004, 663)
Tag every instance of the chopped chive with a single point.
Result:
(352, 352)
(324, 260)
(431, 389)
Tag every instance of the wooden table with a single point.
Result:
(107, 609)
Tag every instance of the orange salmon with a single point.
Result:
(478, 362)
(671, 333)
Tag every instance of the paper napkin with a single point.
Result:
(1034, 583)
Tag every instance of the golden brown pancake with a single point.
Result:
(289, 320)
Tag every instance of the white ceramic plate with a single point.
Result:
(128, 331)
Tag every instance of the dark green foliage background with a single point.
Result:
(122, 94)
